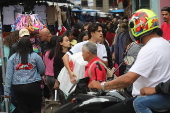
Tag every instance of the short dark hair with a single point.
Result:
(67, 33)
(76, 18)
(81, 35)
(166, 9)
(92, 28)
(87, 24)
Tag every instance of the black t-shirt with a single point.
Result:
(58, 64)
(44, 46)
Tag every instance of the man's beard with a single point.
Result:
(165, 19)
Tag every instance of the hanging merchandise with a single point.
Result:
(8, 14)
(40, 10)
(18, 9)
(50, 10)
(32, 22)
(61, 32)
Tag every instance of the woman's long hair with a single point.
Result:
(58, 48)
(11, 38)
(24, 49)
(52, 46)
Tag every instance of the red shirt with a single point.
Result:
(110, 37)
(95, 72)
(166, 30)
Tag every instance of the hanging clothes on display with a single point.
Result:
(61, 32)
(65, 17)
(53, 16)
(40, 10)
(58, 21)
(50, 10)
(8, 15)
(18, 9)
(69, 13)
(32, 22)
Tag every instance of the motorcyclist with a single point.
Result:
(151, 66)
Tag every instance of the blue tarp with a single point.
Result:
(116, 11)
(75, 10)
(77, 7)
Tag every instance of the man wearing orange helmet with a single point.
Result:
(150, 68)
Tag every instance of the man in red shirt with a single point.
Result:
(166, 25)
(95, 71)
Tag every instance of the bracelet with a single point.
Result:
(102, 84)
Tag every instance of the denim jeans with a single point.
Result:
(156, 102)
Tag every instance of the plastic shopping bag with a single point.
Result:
(77, 65)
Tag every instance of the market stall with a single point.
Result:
(32, 15)
(86, 15)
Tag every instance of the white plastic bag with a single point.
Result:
(77, 65)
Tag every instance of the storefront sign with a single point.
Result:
(90, 3)
(77, 2)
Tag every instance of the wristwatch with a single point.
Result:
(102, 84)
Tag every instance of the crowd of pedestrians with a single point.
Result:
(138, 47)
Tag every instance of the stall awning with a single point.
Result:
(116, 11)
(14, 2)
(77, 7)
(85, 10)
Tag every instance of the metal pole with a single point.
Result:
(3, 63)
(137, 5)
(2, 51)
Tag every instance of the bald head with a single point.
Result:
(45, 31)
(45, 35)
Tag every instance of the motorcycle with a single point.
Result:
(82, 100)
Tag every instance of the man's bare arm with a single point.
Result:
(118, 83)
(122, 81)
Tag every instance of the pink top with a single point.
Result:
(166, 31)
(49, 64)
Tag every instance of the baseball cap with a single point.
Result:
(23, 32)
